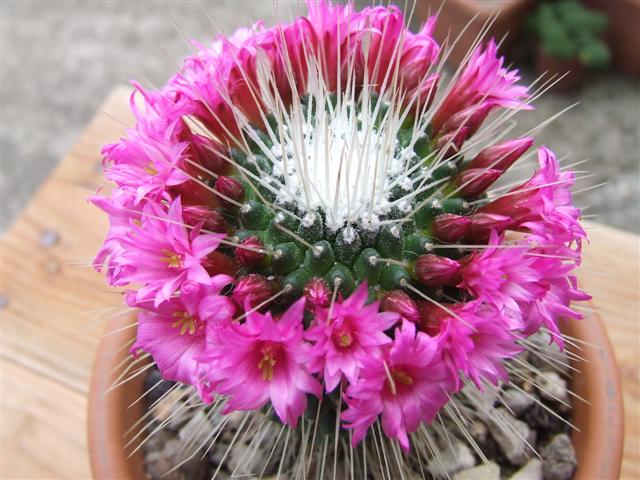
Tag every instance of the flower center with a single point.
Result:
(345, 339)
(402, 377)
(267, 362)
(150, 169)
(396, 378)
(172, 259)
(185, 322)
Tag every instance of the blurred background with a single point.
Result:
(59, 60)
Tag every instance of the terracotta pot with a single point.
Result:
(109, 414)
(574, 70)
(598, 444)
(623, 32)
(456, 14)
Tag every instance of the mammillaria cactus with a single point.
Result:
(303, 218)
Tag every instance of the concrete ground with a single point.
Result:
(59, 59)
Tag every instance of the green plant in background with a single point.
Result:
(567, 29)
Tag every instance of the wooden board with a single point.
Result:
(51, 301)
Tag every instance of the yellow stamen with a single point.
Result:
(402, 377)
(345, 339)
(396, 375)
(172, 259)
(185, 322)
(266, 363)
(151, 169)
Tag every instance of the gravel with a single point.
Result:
(516, 400)
(559, 459)
(514, 440)
(532, 470)
(453, 458)
(488, 471)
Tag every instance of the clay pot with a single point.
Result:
(109, 414)
(574, 70)
(598, 444)
(456, 14)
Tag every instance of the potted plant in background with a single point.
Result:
(569, 39)
(328, 277)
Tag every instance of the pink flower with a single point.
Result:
(174, 333)
(150, 157)
(263, 360)
(530, 284)
(543, 204)
(476, 341)
(483, 79)
(342, 342)
(560, 289)
(420, 51)
(407, 385)
(332, 25)
(122, 211)
(388, 49)
(504, 277)
(161, 253)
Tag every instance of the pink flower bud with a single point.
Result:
(229, 187)
(483, 223)
(211, 220)
(435, 271)
(431, 317)
(217, 263)
(317, 292)
(471, 117)
(193, 192)
(205, 154)
(253, 254)
(450, 228)
(399, 302)
(424, 93)
(502, 155)
(453, 141)
(253, 288)
(474, 181)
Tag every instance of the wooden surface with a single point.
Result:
(51, 303)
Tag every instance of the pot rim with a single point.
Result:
(598, 444)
